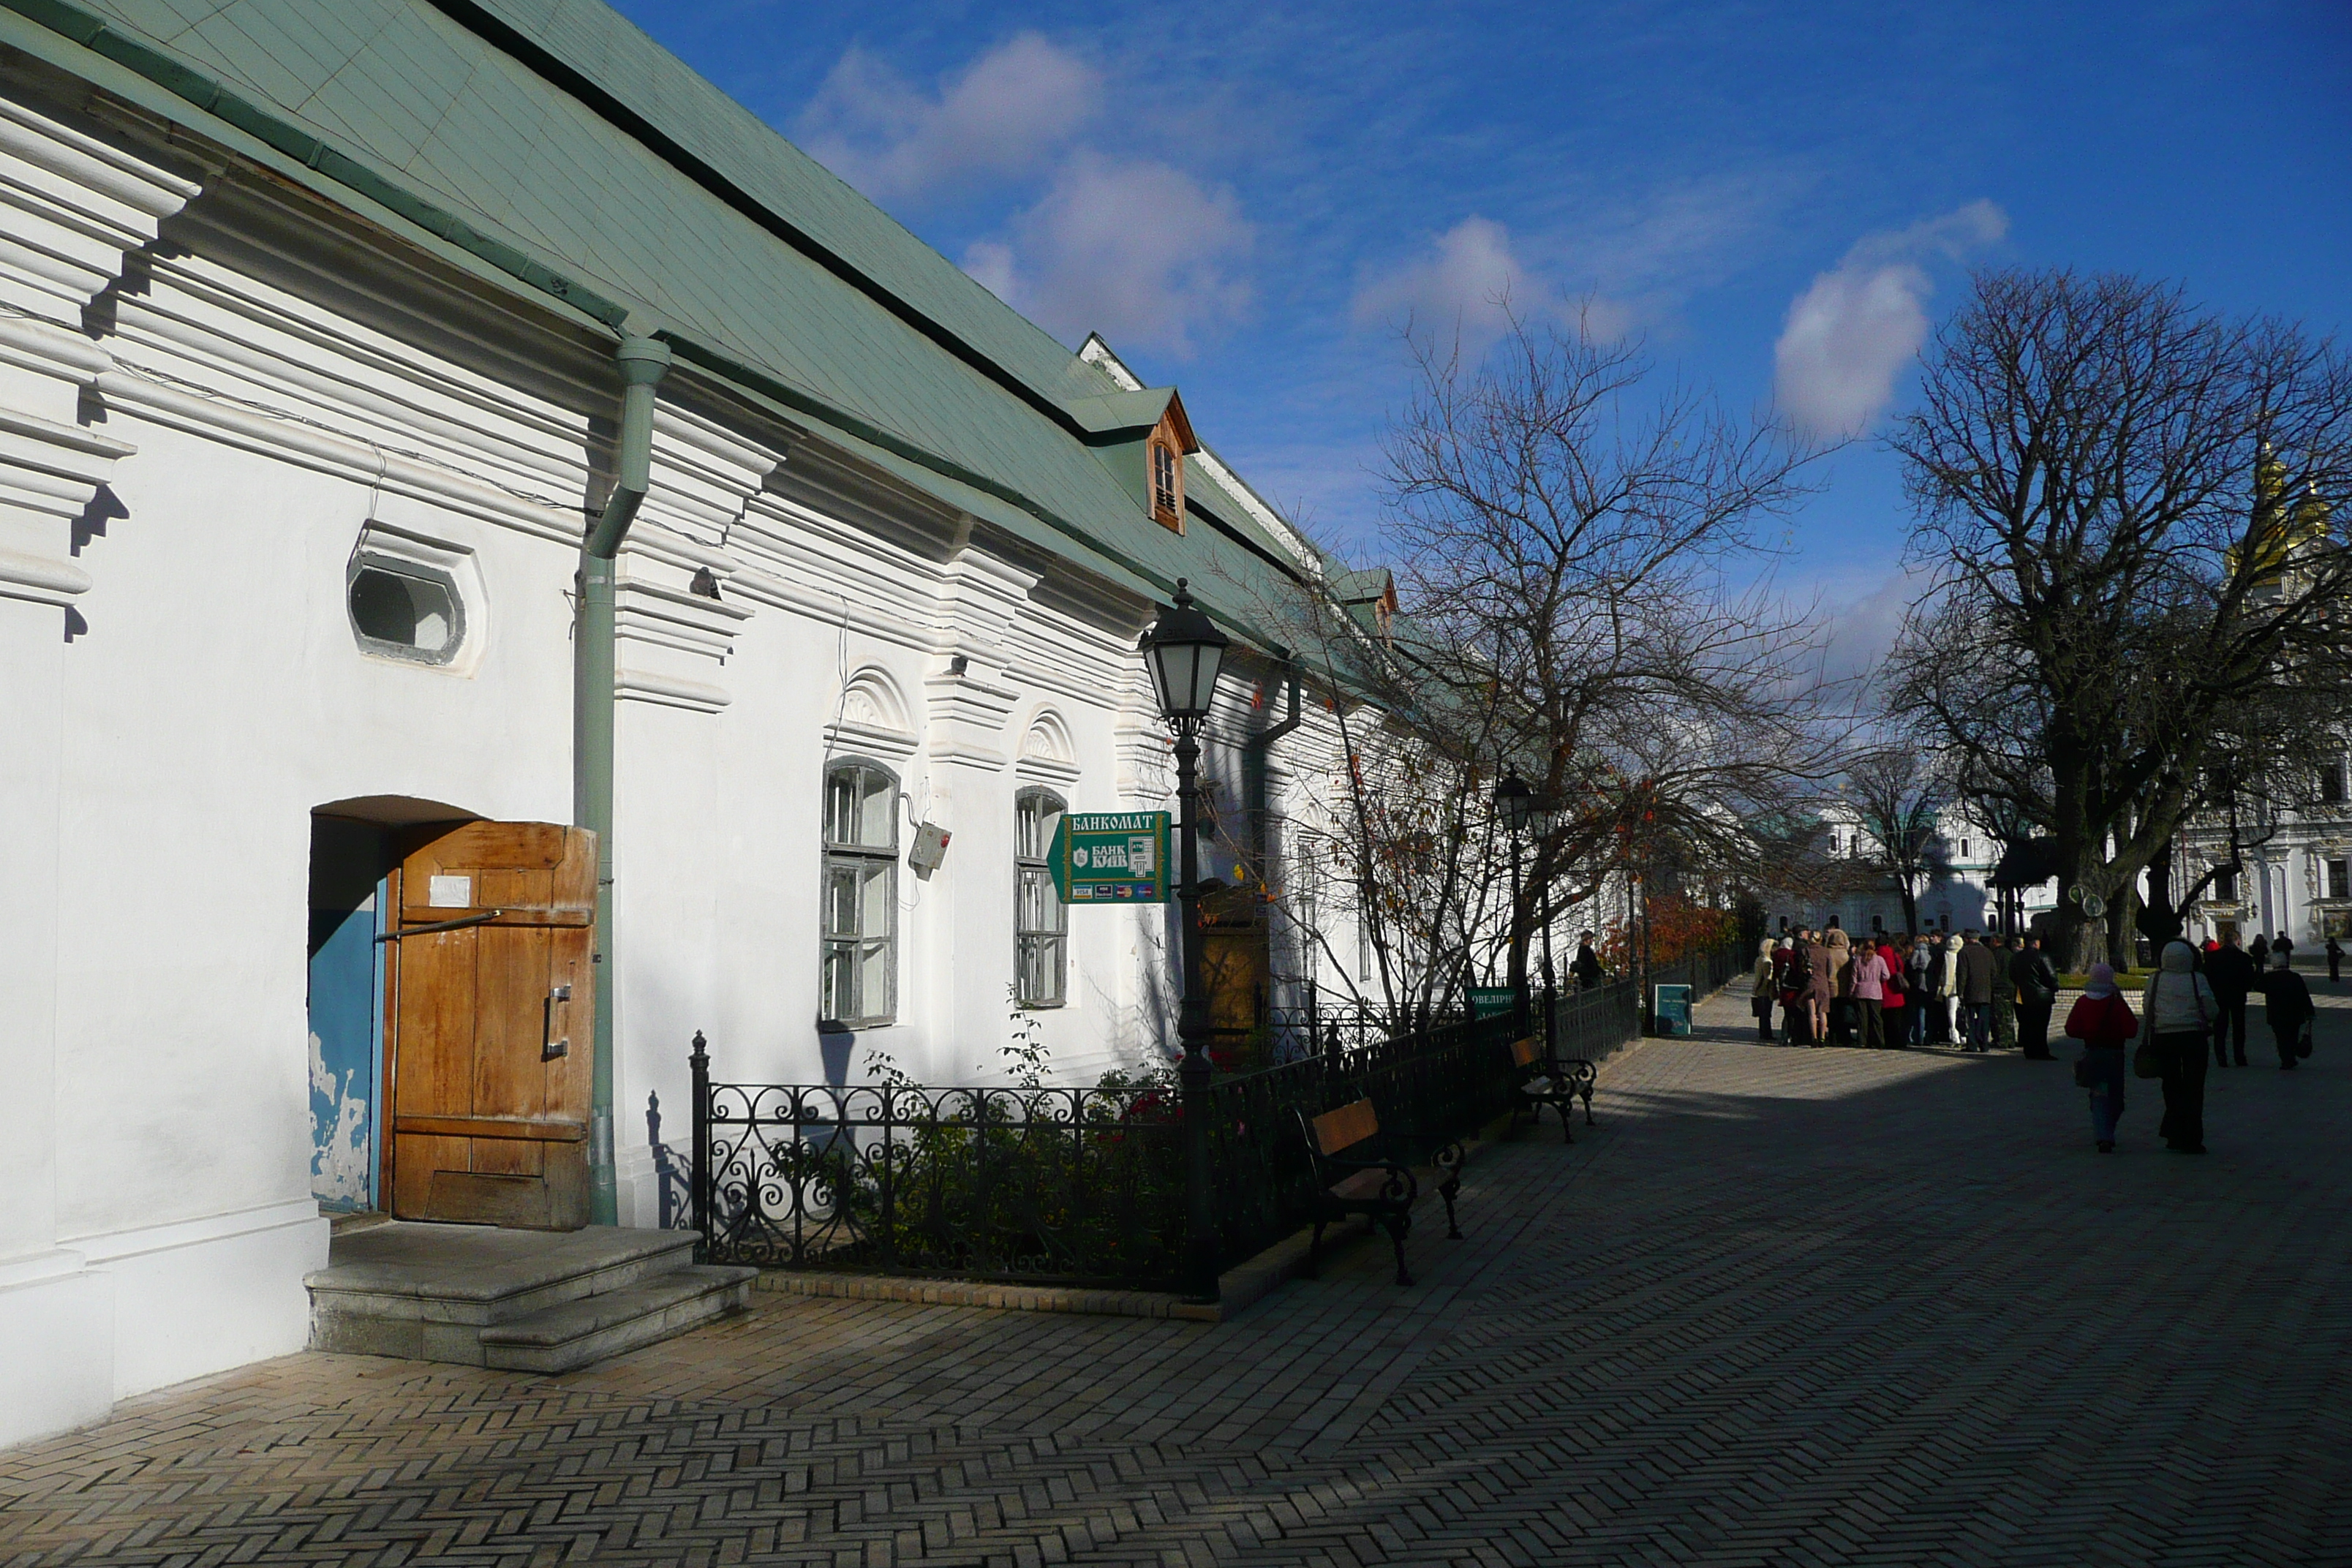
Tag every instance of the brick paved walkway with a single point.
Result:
(1785, 1307)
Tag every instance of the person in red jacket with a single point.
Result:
(2103, 1021)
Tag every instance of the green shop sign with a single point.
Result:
(1491, 1001)
(1111, 857)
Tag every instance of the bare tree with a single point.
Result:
(2125, 500)
(1900, 795)
(1568, 608)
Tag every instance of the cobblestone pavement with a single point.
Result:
(1783, 1307)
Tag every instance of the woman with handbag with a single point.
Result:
(2179, 1009)
(2103, 1021)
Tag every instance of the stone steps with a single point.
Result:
(528, 1301)
(560, 1338)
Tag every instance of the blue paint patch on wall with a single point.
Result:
(346, 1011)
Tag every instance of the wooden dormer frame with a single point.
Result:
(1164, 451)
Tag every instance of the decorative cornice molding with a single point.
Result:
(669, 691)
(72, 207)
(40, 579)
(323, 452)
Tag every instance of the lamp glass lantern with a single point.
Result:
(1183, 649)
(1518, 803)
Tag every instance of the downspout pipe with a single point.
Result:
(643, 361)
(1253, 784)
(1253, 767)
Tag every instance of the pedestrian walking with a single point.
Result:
(1976, 973)
(2231, 971)
(1869, 986)
(2334, 961)
(2260, 952)
(1587, 965)
(2103, 1021)
(2284, 944)
(1764, 991)
(2286, 1003)
(2037, 992)
(2004, 991)
(2178, 1008)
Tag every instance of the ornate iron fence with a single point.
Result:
(1432, 1091)
(1595, 1021)
(1087, 1186)
(1077, 1186)
(1068, 1186)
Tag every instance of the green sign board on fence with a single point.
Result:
(1491, 1001)
(1111, 857)
(1672, 1008)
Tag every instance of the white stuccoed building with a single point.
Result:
(316, 324)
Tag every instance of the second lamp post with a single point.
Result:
(1183, 649)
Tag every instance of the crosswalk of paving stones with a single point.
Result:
(1783, 1307)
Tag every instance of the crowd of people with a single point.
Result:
(1828, 987)
(1987, 992)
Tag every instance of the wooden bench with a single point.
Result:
(1351, 1178)
(1554, 1082)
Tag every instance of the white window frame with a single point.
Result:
(1041, 948)
(864, 863)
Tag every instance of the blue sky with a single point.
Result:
(1777, 198)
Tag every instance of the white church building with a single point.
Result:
(333, 338)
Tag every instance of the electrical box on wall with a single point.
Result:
(929, 847)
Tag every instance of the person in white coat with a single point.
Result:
(2179, 1009)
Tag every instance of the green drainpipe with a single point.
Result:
(643, 361)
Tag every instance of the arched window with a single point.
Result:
(858, 982)
(1041, 923)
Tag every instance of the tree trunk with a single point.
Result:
(2160, 919)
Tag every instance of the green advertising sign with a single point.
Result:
(1111, 857)
(1491, 1001)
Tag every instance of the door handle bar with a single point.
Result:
(482, 919)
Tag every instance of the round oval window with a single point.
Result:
(405, 612)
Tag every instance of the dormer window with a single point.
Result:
(1167, 483)
(1163, 464)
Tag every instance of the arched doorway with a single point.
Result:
(354, 846)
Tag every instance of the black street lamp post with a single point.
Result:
(1515, 804)
(1183, 649)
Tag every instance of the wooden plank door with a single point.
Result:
(493, 1032)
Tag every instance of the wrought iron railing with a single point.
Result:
(1594, 1021)
(1088, 1186)
(1431, 1091)
(1078, 1186)
(1069, 1186)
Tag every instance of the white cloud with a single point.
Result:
(1007, 113)
(1466, 282)
(1854, 329)
(992, 265)
(1140, 252)
(1863, 622)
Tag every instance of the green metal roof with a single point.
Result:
(557, 143)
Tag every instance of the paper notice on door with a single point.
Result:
(449, 893)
